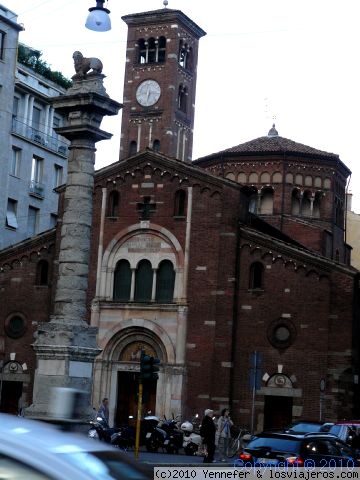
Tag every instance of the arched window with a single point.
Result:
(182, 98)
(142, 57)
(289, 178)
(306, 205)
(308, 181)
(253, 203)
(180, 203)
(161, 49)
(295, 202)
(230, 176)
(241, 177)
(143, 282)
(339, 212)
(298, 179)
(318, 182)
(132, 148)
(122, 281)
(256, 278)
(185, 55)
(267, 202)
(277, 177)
(327, 183)
(42, 273)
(113, 204)
(317, 205)
(152, 50)
(253, 177)
(165, 282)
(156, 145)
(265, 177)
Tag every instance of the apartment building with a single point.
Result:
(33, 158)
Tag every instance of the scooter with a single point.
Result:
(174, 436)
(101, 430)
(152, 435)
(124, 438)
(192, 440)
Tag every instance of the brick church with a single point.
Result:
(232, 269)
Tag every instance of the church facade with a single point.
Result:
(232, 269)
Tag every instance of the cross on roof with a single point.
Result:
(146, 208)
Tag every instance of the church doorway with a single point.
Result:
(277, 411)
(127, 397)
(10, 395)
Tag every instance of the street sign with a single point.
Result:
(255, 374)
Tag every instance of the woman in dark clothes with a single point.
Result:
(207, 432)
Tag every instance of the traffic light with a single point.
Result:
(148, 367)
(145, 366)
(154, 368)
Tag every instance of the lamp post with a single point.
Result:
(98, 18)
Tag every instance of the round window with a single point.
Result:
(15, 326)
(281, 333)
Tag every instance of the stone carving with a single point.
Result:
(83, 65)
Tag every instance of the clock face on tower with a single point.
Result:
(148, 93)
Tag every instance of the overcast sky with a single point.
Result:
(291, 62)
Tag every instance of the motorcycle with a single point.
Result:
(153, 436)
(174, 436)
(101, 430)
(124, 438)
(192, 440)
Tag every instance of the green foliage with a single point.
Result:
(31, 58)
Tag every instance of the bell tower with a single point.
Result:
(160, 83)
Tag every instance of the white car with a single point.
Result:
(34, 450)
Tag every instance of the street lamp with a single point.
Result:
(98, 18)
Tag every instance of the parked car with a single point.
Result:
(347, 431)
(310, 449)
(38, 451)
(304, 426)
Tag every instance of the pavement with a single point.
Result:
(180, 459)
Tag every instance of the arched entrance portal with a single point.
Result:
(13, 387)
(117, 372)
(128, 385)
(279, 401)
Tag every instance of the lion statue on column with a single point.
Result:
(83, 65)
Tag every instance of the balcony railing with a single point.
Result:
(47, 141)
(37, 188)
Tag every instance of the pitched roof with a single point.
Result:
(165, 15)
(278, 144)
(149, 155)
(271, 144)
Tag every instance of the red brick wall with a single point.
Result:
(19, 294)
(281, 218)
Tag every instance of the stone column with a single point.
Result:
(66, 345)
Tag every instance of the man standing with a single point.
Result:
(207, 432)
(104, 409)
